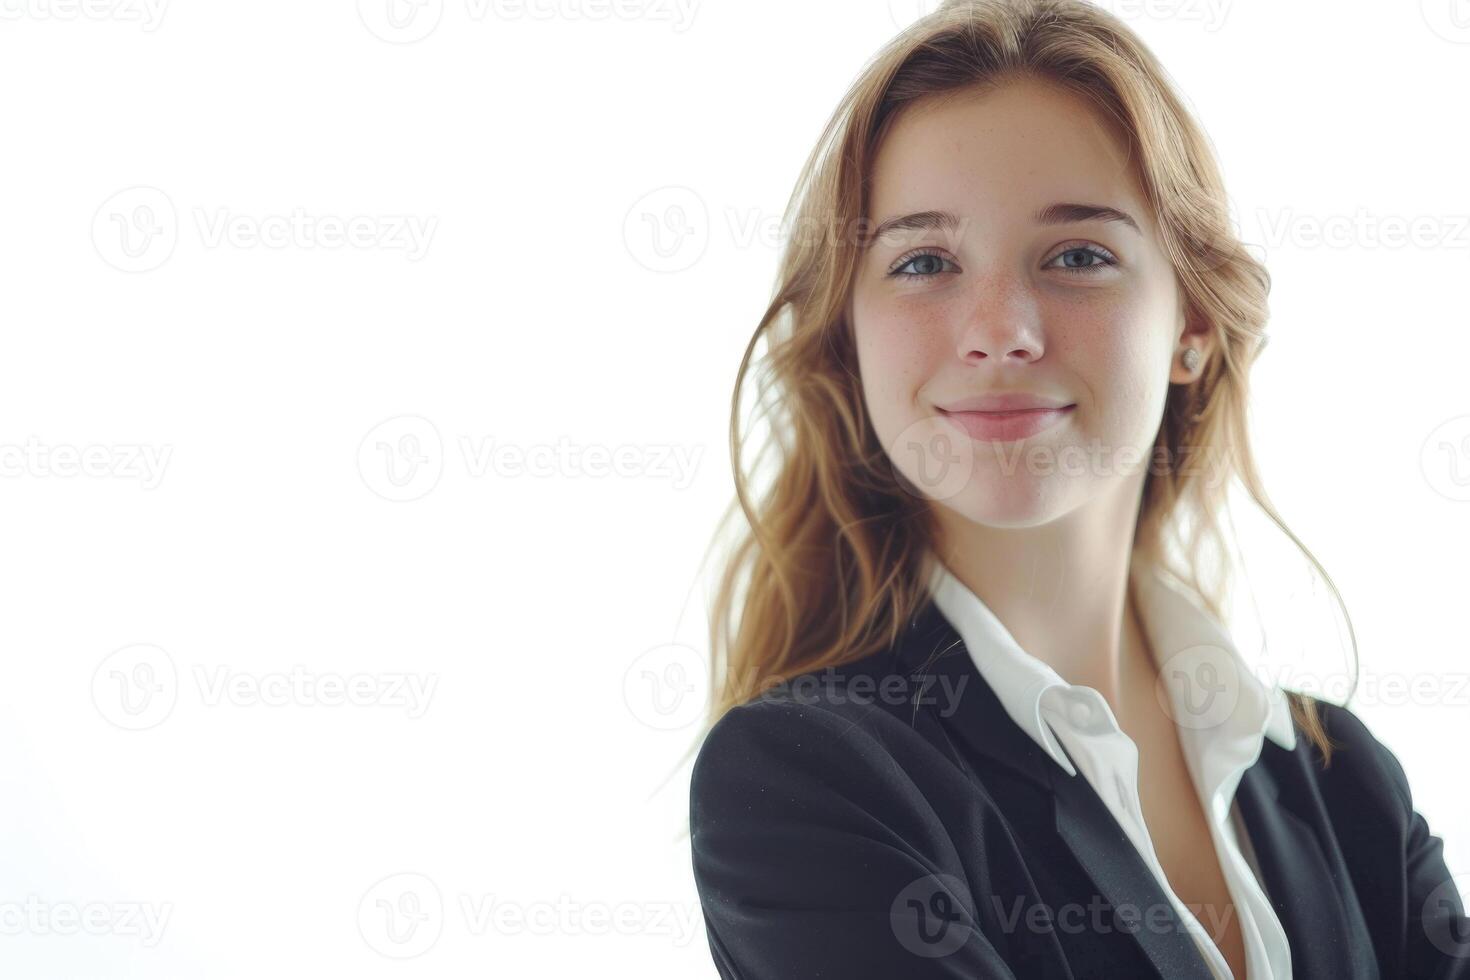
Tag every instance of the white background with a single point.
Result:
(597, 193)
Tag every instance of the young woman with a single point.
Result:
(977, 716)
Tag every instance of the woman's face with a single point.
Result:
(1066, 308)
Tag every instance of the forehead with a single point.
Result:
(1003, 151)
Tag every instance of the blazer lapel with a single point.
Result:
(938, 663)
(1320, 915)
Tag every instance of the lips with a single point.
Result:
(1012, 401)
(1006, 426)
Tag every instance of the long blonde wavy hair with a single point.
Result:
(829, 565)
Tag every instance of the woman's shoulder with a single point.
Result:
(814, 716)
(809, 810)
(849, 730)
(1360, 767)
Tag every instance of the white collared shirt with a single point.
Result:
(1223, 712)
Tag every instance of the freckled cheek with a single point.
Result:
(1115, 357)
(899, 352)
(1096, 345)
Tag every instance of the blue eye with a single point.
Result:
(929, 259)
(1104, 257)
(932, 264)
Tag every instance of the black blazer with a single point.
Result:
(887, 819)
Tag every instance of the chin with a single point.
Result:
(1016, 501)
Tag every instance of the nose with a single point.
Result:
(1002, 323)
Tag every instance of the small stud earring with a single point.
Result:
(1191, 359)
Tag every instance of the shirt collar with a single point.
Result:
(1213, 690)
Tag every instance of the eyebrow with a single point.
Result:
(1052, 214)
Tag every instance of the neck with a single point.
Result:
(1061, 589)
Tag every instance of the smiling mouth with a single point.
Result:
(1007, 426)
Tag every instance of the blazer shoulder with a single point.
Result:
(785, 756)
(1359, 757)
(774, 736)
(810, 842)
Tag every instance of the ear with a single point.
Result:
(1194, 331)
